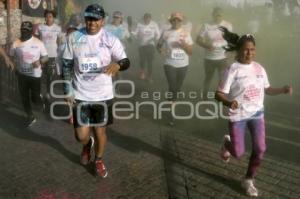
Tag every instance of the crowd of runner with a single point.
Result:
(90, 55)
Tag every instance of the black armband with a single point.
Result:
(124, 64)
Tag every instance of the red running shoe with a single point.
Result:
(100, 169)
(85, 157)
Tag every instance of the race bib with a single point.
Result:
(26, 68)
(178, 54)
(90, 65)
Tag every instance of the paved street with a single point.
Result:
(146, 159)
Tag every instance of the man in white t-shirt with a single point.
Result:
(91, 57)
(210, 38)
(29, 53)
(147, 34)
(50, 34)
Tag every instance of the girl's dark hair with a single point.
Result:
(235, 42)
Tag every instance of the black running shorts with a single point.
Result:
(93, 114)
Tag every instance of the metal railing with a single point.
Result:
(8, 84)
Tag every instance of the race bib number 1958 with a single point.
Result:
(90, 65)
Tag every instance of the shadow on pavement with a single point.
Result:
(175, 166)
(14, 125)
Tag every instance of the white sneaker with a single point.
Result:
(248, 185)
(225, 154)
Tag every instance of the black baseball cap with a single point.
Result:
(27, 25)
(94, 11)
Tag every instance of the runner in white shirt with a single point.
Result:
(29, 53)
(147, 34)
(50, 34)
(94, 56)
(176, 45)
(211, 39)
(117, 27)
(242, 89)
(63, 43)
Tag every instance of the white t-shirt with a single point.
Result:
(49, 35)
(147, 34)
(246, 84)
(120, 31)
(91, 54)
(26, 53)
(211, 34)
(176, 56)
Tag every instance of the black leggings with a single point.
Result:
(30, 88)
(146, 57)
(175, 77)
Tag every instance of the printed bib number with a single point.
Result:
(90, 65)
(177, 54)
(26, 68)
